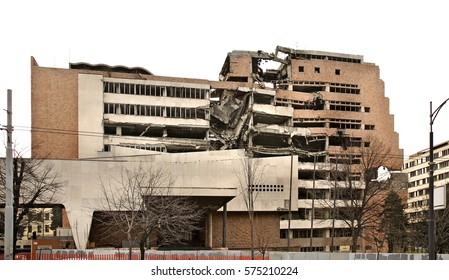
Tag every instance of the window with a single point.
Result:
(367, 109)
(369, 127)
(317, 70)
(47, 216)
(283, 233)
(301, 68)
(47, 228)
(296, 233)
(337, 71)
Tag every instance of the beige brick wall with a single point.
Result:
(55, 123)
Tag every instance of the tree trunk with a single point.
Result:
(143, 240)
(130, 246)
(251, 222)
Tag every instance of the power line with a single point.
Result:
(61, 131)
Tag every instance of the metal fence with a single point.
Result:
(123, 254)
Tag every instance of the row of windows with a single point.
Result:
(345, 124)
(267, 188)
(302, 233)
(426, 159)
(39, 228)
(306, 233)
(416, 215)
(334, 105)
(309, 120)
(345, 90)
(424, 181)
(418, 182)
(419, 172)
(425, 170)
(344, 85)
(155, 111)
(333, 123)
(296, 104)
(417, 204)
(333, 248)
(345, 106)
(163, 149)
(326, 57)
(317, 70)
(418, 193)
(340, 194)
(152, 90)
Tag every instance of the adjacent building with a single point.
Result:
(417, 169)
(299, 119)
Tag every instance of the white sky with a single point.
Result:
(406, 39)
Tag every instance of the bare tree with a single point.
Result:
(374, 235)
(141, 206)
(35, 184)
(249, 175)
(263, 237)
(418, 230)
(363, 197)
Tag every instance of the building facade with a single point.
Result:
(307, 112)
(417, 169)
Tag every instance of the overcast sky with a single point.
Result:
(407, 39)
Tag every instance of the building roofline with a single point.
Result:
(109, 68)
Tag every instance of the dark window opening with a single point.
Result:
(337, 71)
(238, 79)
(317, 70)
(301, 68)
(110, 130)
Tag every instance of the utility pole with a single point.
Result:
(431, 226)
(334, 197)
(290, 203)
(312, 216)
(9, 210)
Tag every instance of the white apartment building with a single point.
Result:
(417, 168)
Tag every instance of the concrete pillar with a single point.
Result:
(224, 242)
(209, 230)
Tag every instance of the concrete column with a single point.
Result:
(209, 230)
(224, 242)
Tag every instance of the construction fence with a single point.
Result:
(123, 254)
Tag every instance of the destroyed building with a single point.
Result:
(306, 106)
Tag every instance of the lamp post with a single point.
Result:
(431, 228)
(9, 203)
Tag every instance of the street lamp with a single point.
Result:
(431, 228)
